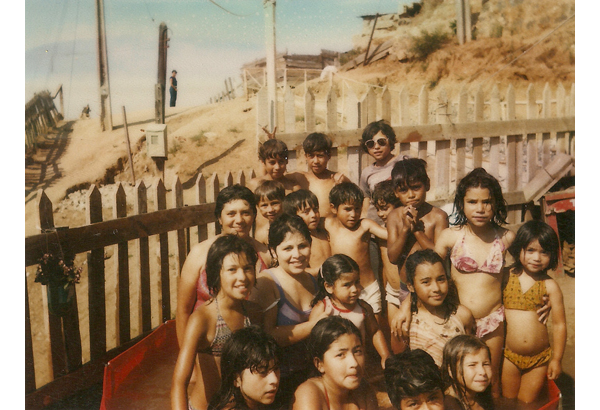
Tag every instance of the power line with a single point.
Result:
(73, 58)
(223, 8)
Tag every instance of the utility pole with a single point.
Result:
(463, 20)
(105, 106)
(269, 6)
(161, 84)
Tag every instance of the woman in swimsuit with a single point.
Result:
(235, 210)
(336, 348)
(285, 293)
(231, 274)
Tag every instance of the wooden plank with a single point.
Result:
(460, 159)
(354, 169)
(240, 178)
(403, 106)
(201, 200)
(289, 110)
(212, 191)
(163, 241)
(352, 117)
(123, 312)
(331, 117)
(423, 106)
(182, 250)
(96, 280)
(309, 111)
(532, 149)
(363, 112)
(371, 101)
(463, 99)
(386, 105)
(141, 208)
(29, 363)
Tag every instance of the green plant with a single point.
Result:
(57, 271)
(234, 129)
(199, 139)
(413, 10)
(427, 43)
(176, 146)
(299, 118)
(453, 27)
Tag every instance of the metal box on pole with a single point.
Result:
(156, 140)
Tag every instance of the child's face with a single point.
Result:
(383, 210)
(346, 289)
(343, 362)
(259, 387)
(534, 258)
(237, 276)
(317, 161)
(379, 147)
(348, 214)
(236, 217)
(293, 253)
(476, 371)
(425, 401)
(269, 208)
(310, 216)
(478, 206)
(413, 194)
(275, 167)
(430, 284)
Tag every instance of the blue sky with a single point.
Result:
(208, 44)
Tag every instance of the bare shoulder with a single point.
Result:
(438, 214)
(508, 236)
(552, 287)
(309, 395)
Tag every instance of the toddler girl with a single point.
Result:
(231, 273)
(436, 314)
(528, 358)
(339, 289)
(467, 372)
(336, 348)
(249, 371)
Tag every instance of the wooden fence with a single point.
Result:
(40, 116)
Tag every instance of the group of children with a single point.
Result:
(316, 305)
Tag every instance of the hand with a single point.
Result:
(544, 311)
(400, 325)
(338, 178)
(554, 369)
(383, 359)
(409, 217)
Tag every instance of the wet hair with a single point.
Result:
(221, 247)
(327, 331)
(331, 270)
(232, 193)
(384, 193)
(284, 224)
(532, 231)
(272, 190)
(298, 200)
(373, 128)
(479, 178)
(316, 142)
(455, 351)
(346, 193)
(248, 348)
(409, 171)
(430, 257)
(410, 374)
(272, 149)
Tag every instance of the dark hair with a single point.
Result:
(532, 231)
(317, 141)
(221, 247)
(327, 331)
(430, 257)
(273, 149)
(298, 200)
(248, 348)
(410, 374)
(384, 192)
(455, 351)
(408, 171)
(232, 193)
(373, 128)
(346, 193)
(269, 189)
(284, 224)
(331, 270)
(479, 178)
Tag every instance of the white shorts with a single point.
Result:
(372, 295)
(396, 296)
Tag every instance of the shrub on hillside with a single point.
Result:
(427, 43)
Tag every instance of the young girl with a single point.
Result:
(231, 273)
(528, 358)
(467, 372)
(339, 288)
(335, 345)
(249, 371)
(285, 293)
(436, 314)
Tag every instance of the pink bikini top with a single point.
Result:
(464, 263)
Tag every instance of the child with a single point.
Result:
(436, 314)
(274, 156)
(305, 204)
(336, 348)
(350, 235)
(413, 381)
(269, 196)
(467, 372)
(318, 179)
(528, 358)
(231, 273)
(249, 371)
(339, 287)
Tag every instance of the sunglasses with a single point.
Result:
(382, 142)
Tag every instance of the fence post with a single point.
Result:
(386, 105)
(182, 249)
(546, 113)
(442, 150)
(309, 111)
(289, 110)
(371, 99)
(201, 199)
(561, 141)
(532, 113)
(494, 154)
(163, 240)
(331, 118)
(141, 207)
(514, 147)
(478, 142)
(461, 143)
(423, 119)
(212, 191)
(123, 313)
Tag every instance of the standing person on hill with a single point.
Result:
(173, 88)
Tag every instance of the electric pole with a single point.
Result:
(269, 6)
(161, 84)
(105, 106)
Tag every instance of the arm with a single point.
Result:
(338, 178)
(375, 229)
(559, 329)
(400, 325)
(444, 243)
(440, 223)
(397, 235)
(466, 317)
(373, 331)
